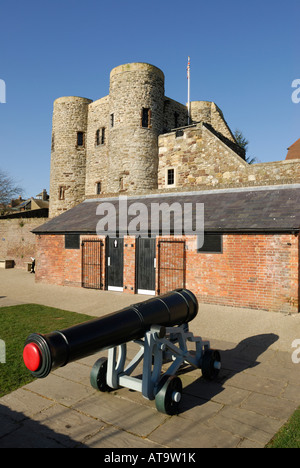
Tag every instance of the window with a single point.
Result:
(98, 188)
(61, 192)
(97, 137)
(100, 136)
(171, 177)
(72, 241)
(112, 120)
(146, 117)
(213, 243)
(80, 139)
(52, 142)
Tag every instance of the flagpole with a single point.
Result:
(189, 91)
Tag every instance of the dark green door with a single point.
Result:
(115, 263)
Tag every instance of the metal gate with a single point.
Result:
(92, 264)
(171, 265)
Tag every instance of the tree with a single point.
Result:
(243, 143)
(8, 188)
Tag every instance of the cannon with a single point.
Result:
(159, 326)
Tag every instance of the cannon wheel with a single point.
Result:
(210, 369)
(169, 394)
(98, 375)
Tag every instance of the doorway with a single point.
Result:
(115, 263)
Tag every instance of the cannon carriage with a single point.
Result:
(159, 326)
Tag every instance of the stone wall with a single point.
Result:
(17, 241)
(97, 151)
(68, 159)
(175, 115)
(202, 160)
(209, 112)
(133, 145)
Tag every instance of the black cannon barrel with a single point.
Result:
(44, 353)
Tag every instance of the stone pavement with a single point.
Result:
(257, 390)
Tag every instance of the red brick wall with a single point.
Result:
(258, 271)
(57, 265)
(129, 264)
(255, 271)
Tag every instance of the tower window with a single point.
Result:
(52, 142)
(171, 177)
(80, 139)
(61, 192)
(100, 136)
(97, 137)
(146, 117)
(98, 188)
(112, 120)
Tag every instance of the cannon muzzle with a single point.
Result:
(44, 353)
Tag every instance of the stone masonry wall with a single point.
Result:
(17, 242)
(133, 147)
(97, 154)
(201, 161)
(209, 112)
(68, 160)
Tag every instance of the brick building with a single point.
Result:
(250, 255)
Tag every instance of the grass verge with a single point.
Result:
(16, 323)
(289, 434)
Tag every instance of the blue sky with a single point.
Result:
(244, 57)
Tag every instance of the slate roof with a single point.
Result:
(252, 209)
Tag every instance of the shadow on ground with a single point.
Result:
(19, 431)
(243, 356)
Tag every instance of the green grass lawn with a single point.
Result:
(289, 434)
(16, 323)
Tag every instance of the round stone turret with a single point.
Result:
(136, 108)
(68, 153)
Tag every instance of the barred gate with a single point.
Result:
(92, 264)
(171, 265)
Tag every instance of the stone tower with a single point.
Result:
(136, 108)
(111, 146)
(68, 153)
